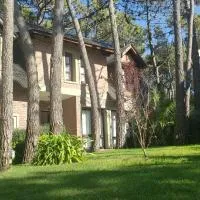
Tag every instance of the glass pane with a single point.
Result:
(82, 71)
(14, 122)
(113, 124)
(86, 122)
(68, 67)
(67, 60)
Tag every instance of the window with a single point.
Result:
(15, 122)
(68, 76)
(82, 72)
(86, 122)
(113, 128)
(44, 117)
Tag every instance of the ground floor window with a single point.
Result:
(15, 122)
(113, 128)
(86, 122)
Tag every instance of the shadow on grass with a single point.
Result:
(172, 181)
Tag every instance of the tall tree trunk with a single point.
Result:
(151, 47)
(189, 56)
(180, 104)
(56, 110)
(32, 130)
(196, 71)
(7, 85)
(91, 81)
(120, 118)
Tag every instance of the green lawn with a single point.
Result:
(169, 173)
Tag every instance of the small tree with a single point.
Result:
(144, 104)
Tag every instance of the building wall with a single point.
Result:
(20, 112)
(42, 48)
(72, 115)
(99, 67)
(20, 105)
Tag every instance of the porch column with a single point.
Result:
(107, 129)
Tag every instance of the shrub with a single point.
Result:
(45, 129)
(18, 137)
(18, 144)
(58, 149)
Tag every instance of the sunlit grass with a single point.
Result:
(168, 173)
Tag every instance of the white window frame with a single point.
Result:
(15, 121)
(70, 68)
(86, 122)
(82, 72)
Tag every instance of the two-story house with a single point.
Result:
(75, 93)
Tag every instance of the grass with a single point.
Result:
(169, 173)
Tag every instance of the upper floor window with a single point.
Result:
(82, 72)
(68, 68)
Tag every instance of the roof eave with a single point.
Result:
(75, 41)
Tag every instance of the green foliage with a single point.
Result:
(18, 137)
(45, 129)
(58, 149)
(166, 124)
(194, 121)
(18, 140)
(163, 119)
(167, 114)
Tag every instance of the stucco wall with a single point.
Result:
(99, 68)
(20, 105)
(42, 47)
(72, 115)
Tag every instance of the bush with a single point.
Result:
(194, 136)
(45, 129)
(18, 137)
(18, 140)
(58, 149)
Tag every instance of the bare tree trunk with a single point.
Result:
(149, 34)
(91, 82)
(56, 110)
(180, 104)
(32, 130)
(196, 71)
(189, 56)
(7, 85)
(119, 79)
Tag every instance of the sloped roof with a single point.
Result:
(35, 29)
(71, 38)
(125, 50)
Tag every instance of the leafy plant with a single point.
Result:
(45, 129)
(18, 137)
(58, 149)
(18, 144)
